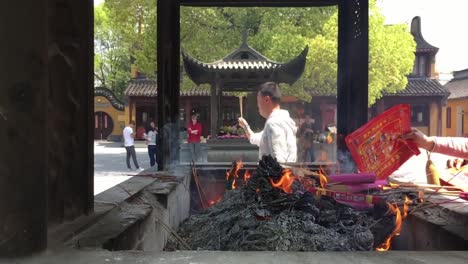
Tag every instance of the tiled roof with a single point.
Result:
(415, 87)
(244, 60)
(237, 65)
(141, 88)
(115, 102)
(149, 88)
(458, 86)
(421, 87)
(421, 44)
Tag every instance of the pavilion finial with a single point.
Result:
(244, 38)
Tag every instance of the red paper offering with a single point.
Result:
(376, 147)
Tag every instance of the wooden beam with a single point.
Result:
(353, 67)
(168, 81)
(259, 3)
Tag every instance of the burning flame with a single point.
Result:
(211, 202)
(420, 196)
(232, 175)
(406, 207)
(247, 176)
(285, 182)
(323, 179)
(394, 209)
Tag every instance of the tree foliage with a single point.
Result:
(209, 34)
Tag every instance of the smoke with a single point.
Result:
(345, 162)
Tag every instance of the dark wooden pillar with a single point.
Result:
(188, 110)
(214, 109)
(219, 93)
(353, 57)
(70, 156)
(168, 79)
(23, 130)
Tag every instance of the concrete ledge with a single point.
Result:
(134, 214)
(185, 257)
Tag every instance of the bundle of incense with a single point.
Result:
(347, 197)
(356, 188)
(424, 186)
(351, 178)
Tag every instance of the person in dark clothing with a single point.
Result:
(151, 142)
(306, 136)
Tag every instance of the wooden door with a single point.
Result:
(103, 125)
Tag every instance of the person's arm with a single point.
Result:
(254, 138)
(453, 146)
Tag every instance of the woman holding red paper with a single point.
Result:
(453, 146)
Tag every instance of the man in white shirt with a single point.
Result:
(129, 141)
(278, 137)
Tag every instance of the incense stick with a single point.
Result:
(240, 106)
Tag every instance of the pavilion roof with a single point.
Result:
(245, 68)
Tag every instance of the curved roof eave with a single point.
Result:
(201, 72)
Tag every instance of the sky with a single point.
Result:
(442, 24)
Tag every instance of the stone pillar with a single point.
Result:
(23, 131)
(353, 66)
(168, 48)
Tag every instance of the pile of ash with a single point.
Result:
(260, 217)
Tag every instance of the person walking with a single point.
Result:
(151, 142)
(129, 143)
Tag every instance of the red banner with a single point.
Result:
(376, 147)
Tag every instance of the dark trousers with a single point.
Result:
(152, 154)
(131, 152)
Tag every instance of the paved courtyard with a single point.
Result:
(110, 167)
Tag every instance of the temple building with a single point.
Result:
(109, 115)
(457, 105)
(240, 71)
(426, 96)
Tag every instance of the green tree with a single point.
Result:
(209, 34)
(111, 60)
(391, 57)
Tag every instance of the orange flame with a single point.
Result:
(232, 174)
(385, 246)
(420, 196)
(406, 207)
(285, 182)
(323, 179)
(211, 202)
(247, 176)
